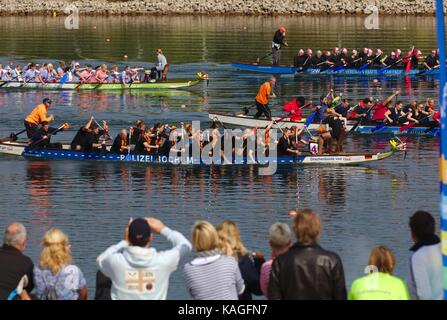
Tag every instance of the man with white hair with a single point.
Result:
(280, 242)
(13, 263)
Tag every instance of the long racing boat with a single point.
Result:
(242, 120)
(21, 149)
(169, 84)
(340, 72)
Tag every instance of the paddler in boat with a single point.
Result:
(333, 130)
(430, 106)
(114, 75)
(126, 75)
(138, 131)
(120, 144)
(166, 144)
(285, 145)
(86, 75)
(395, 116)
(390, 60)
(32, 75)
(101, 74)
(343, 108)
(381, 108)
(37, 116)
(295, 108)
(320, 108)
(297, 137)
(278, 42)
(299, 60)
(317, 59)
(362, 111)
(262, 98)
(49, 74)
(431, 61)
(88, 136)
(42, 138)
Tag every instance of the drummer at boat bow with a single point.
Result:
(262, 98)
(37, 116)
(279, 41)
(89, 137)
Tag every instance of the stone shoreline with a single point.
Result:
(214, 7)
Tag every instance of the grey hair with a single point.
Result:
(280, 235)
(15, 234)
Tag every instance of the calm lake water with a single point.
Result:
(361, 206)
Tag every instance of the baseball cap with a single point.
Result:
(47, 100)
(139, 232)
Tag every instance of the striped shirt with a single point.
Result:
(214, 278)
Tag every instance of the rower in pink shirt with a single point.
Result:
(86, 75)
(101, 74)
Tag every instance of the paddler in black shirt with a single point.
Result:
(87, 137)
(317, 59)
(335, 127)
(431, 61)
(279, 41)
(300, 59)
(285, 144)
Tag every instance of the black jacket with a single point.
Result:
(13, 266)
(250, 270)
(307, 272)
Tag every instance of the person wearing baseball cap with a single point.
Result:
(37, 116)
(277, 44)
(137, 270)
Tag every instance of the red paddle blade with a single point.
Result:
(408, 68)
(408, 126)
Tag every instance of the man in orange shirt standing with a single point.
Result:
(37, 116)
(262, 98)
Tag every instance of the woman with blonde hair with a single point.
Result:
(379, 283)
(211, 275)
(55, 277)
(231, 244)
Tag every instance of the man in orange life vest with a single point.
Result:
(37, 116)
(262, 98)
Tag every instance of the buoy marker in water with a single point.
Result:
(183, 106)
(126, 56)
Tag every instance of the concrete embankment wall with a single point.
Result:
(242, 7)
